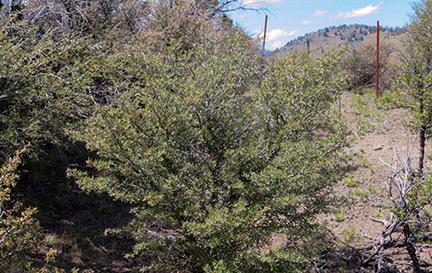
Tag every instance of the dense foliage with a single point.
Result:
(44, 88)
(213, 158)
(181, 127)
(18, 228)
(214, 164)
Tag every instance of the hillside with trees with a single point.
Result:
(156, 137)
(330, 38)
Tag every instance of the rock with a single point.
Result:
(378, 148)
(352, 152)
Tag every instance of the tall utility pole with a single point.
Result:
(265, 33)
(378, 60)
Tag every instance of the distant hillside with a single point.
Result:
(333, 37)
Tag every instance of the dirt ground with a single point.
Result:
(376, 133)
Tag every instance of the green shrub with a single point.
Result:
(19, 231)
(351, 182)
(371, 189)
(214, 165)
(351, 235)
(361, 67)
(364, 195)
(340, 216)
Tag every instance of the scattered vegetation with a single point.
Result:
(162, 140)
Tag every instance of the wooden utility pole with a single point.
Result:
(378, 60)
(265, 33)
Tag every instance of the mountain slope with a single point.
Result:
(329, 38)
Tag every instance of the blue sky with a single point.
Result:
(289, 19)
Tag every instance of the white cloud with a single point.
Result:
(277, 44)
(318, 13)
(307, 22)
(359, 12)
(277, 34)
(277, 37)
(259, 3)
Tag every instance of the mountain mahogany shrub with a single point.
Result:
(45, 86)
(20, 233)
(213, 165)
(121, 19)
(98, 19)
(16, 77)
(360, 64)
(416, 77)
(185, 24)
(295, 97)
(18, 229)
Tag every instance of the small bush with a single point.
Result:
(351, 235)
(360, 63)
(371, 189)
(351, 182)
(364, 195)
(340, 216)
